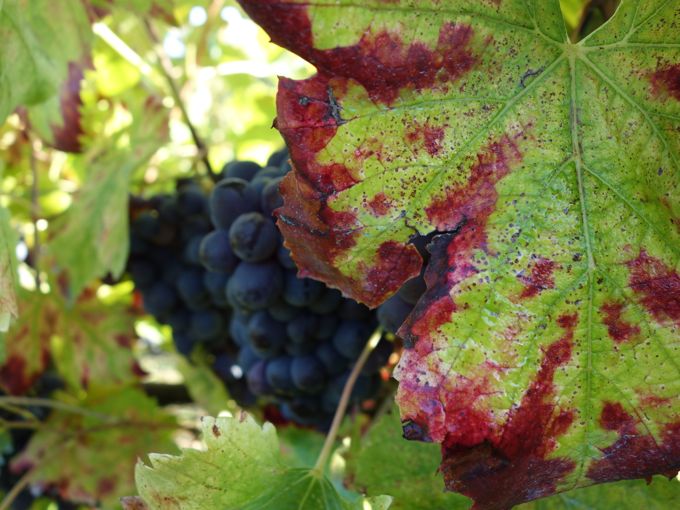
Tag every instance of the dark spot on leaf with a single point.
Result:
(634, 455)
(540, 278)
(666, 81)
(216, 431)
(658, 287)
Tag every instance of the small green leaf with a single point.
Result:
(385, 463)
(90, 457)
(241, 469)
(97, 222)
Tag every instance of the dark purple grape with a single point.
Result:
(253, 237)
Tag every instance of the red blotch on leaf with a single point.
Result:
(540, 278)
(67, 135)
(430, 137)
(308, 121)
(379, 205)
(666, 81)
(476, 199)
(619, 330)
(635, 455)
(658, 287)
(14, 377)
(381, 62)
(514, 461)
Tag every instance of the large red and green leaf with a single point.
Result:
(544, 354)
(89, 343)
(89, 455)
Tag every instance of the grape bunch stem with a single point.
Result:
(329, 443)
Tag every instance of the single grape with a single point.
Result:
(271, 199)
(334, 363)
(191, 289)
(267, 335)
(302, 329)
(245, 170)
(351, 337)
(278, 373)
(253, 237)
(215, 252)
(308, 373)
(257, 379)
(255, 286)
(228, 202)
(301, 291)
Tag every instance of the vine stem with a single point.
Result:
(166, 69)
(322, 460)
(16, 489)
(35, 212)
(54, 404)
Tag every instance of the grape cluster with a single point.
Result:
(215, 269)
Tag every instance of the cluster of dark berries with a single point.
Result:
(214, 268)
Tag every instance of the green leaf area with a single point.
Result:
(544, 355)
(32, 66)
(387, 464)
(87, 453)
(241, 468)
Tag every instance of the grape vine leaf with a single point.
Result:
(97, 222)
(658, 494)
(32, 66)
(544, 354)
(8, 300)
(385, 463)
(89, 342)
(242, 468)
(116, 427)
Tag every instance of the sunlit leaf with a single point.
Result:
(97, 222)
(242, 469)
(544, 355)
(32, 66)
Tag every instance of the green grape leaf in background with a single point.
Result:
(32, 65)
(385, 463)
(544, 355)
(241, 468)
(89, 343)
(93, 238)
(89, 455)
(8, 279)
